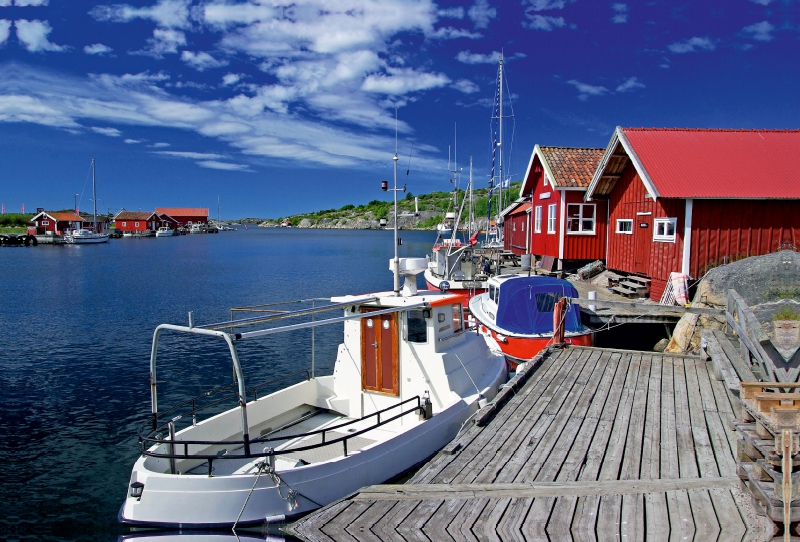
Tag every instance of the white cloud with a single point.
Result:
(231, 79)
(450, 33)
(476, 58)
(132, 141)
(760, 31)
(584, 90)
(761, 2)
(193, 155)
(165, 13)
(164, 41)
(543, 5)
(97, 49)
(544, 22)
(31, 3)
(481, 13)
(110, 132)
(159, 145)
(451, 13)
(202, 61)
(213, 164)
(33, 34)
(5, 3)
(692, 45)
(5, 30)
(466, 86)
(629, 84)
(404, 81)
(620, 13)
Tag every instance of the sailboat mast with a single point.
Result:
(94, 196)
(500, 142)
(471, 214)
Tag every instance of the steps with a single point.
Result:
(632, 286)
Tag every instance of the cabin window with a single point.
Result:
(416, 326)
(458, 318)
(625, 225)
(494, 293)
(546, 301)
(664, 229)
(551, 218)
(537, 221)
(580, 217)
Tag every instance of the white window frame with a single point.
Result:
(135, 224)
(580, 230)
(662, 224)
(551, 218)
(537, 221)
(624, 232)
(45, 222)
(124, 224)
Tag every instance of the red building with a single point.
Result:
(559, 223)
(136, 221)
(517, 226)
(165, 220)
(185, 215)
(54, 222)
(686, 200)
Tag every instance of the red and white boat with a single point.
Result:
(519, 313)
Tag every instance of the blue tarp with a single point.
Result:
(526, 305)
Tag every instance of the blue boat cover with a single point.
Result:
(526, 305)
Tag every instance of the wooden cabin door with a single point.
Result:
(379, 363)
(643, 234)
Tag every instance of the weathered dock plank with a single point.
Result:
(597, 445)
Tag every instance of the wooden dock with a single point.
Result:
(593, 444)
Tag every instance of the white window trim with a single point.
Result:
(551, 218)
(124, 224)
(625, 220)
(537, 222)
(665, 238)
(593, 231)
(135, 224)
(45, 222)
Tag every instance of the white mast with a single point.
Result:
(500, 142)
(94, 197)
(396, 259)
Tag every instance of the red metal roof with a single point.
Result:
(182, 211)
(572, 167)
(709, 163)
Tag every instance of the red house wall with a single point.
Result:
(183, 220)
(584, 246)
(516, 232)
(130, 225)
(543, 243)
(638, 253)
(725, 230)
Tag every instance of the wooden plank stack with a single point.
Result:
(767, 455)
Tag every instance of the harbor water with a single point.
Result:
(77, 325)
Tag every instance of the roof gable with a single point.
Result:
(59, 216)
(565, 167)
(704, 163)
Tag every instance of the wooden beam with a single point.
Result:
(646, 306)
(539, 489)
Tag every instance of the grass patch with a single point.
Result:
(786, 313)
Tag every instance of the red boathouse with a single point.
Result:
(185, 215)
(560, 224)
(55, 222)
(686, 200)
(136, 221)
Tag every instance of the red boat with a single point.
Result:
(518, 312)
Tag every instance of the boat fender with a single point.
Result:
(279, 518)
(426, 411)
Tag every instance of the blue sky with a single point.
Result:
(280, 107)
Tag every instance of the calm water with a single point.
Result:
(76, 326)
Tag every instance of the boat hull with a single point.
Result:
(202, 502)
(520, 349)
(86, 240)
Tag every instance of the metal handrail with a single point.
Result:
(154, 417)
(146, 441)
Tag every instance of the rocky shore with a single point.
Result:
(368, 221)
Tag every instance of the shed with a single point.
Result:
(562, 225)
(516, 227)
(185, 215)
(55, 222)
(687, 200)
(136, 221)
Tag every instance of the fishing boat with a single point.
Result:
(520, 314)
(165, 231)
(83, 236)
(407, 377)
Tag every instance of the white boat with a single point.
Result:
(406, 378)
(165, 231)
(83, 236)
(197, 228)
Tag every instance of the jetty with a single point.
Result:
(584, 443)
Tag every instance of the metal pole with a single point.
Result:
(500, 143)
(153, 381)
(94, 198)
(242, 392)
(396, 265)
(313, 318)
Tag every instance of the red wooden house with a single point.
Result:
(185, 215)
(686, 200)
(517, 226)
(165, 220)
(54, 222)
(560, 224)
(136, 221)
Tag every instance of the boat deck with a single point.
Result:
(597, 444)
(319, 420)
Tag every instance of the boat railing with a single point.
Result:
(151, 442)
(194, 400)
